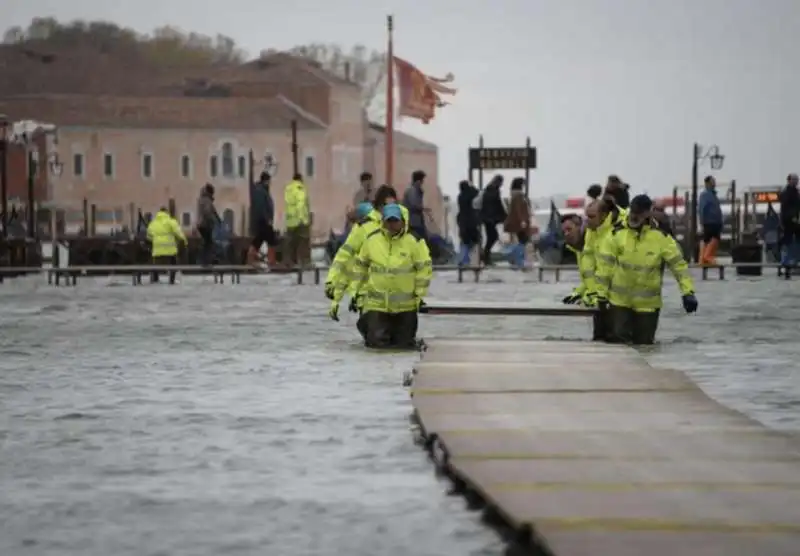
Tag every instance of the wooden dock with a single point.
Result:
(579, 449)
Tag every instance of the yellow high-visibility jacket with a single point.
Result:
(630, 267)
(340, 272)
(391, 273)
(165, 232)
(592, 239)
(295, 198)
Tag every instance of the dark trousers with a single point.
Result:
(626, 326)
(361, 325)
(298, 246)
(164, 261)
(599, 327)
(397, 330)
(207, 249)
(491, 238)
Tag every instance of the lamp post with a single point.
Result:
(4, 173)
(716, 160)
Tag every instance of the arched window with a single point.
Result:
(227, 160)
(228, 217)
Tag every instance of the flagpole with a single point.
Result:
(389, 143)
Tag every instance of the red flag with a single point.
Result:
(420, 94)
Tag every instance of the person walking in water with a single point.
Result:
(164, 233)
(518, 222)
(207, 220)
(298, 222)
(711, 219)
(262, 216)
(414, 200)
(630, 276)
(468, 220)
(365, 193)
(790, 224)
(493, 213)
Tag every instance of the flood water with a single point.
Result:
(203, 419)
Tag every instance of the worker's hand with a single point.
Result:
(571, 299)
(329, 291)
(690, 303)
(589, 299)
(333, 312)
(420, 305)
(353, 307)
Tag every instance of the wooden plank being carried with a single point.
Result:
(602, 454)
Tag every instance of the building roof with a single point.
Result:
(402, 140)
(159, 112)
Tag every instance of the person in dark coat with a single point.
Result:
(617, 191)
(790, 223)
(207, 219)
(493, 213)
(468, 219)
(262, 216)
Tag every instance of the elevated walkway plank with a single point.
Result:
(602, 454)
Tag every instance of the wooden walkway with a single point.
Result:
(583, 449)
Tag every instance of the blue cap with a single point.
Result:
(362, 210)
(392, 211)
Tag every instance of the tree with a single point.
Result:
(366, 68)
(166, 45)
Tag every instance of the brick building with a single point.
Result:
(139, 137)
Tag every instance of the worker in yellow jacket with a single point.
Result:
(601, 217)
(298, 223)
(391, 276)
(630, 272)
(164, 233)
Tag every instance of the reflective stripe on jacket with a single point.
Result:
(630, 267)
(164, 232)
(391, 273)
(295, 199)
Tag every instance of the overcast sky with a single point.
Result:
(601, 86)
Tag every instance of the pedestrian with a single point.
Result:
(711, 220)
(298, 222)
(164, 233)
(207, 219)
(414, 201)
(468, 220)
(517, 222)
(617, 191)
(365, 191)
(790, 223)
(493, 213)
(262, 216)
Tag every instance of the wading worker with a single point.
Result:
(298, 222)
(392, 273)
(164, 233)
(629, 275)
(601, 217)
(262, 215)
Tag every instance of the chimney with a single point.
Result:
(347, 71)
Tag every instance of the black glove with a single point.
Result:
(420, 306)
(571, 299)
(602, 303)
(353, 307)
(690, 303)
(329, 291)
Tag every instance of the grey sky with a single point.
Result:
(601, 86)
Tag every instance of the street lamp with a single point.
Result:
(716, 160)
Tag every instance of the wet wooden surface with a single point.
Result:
(604, 454)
